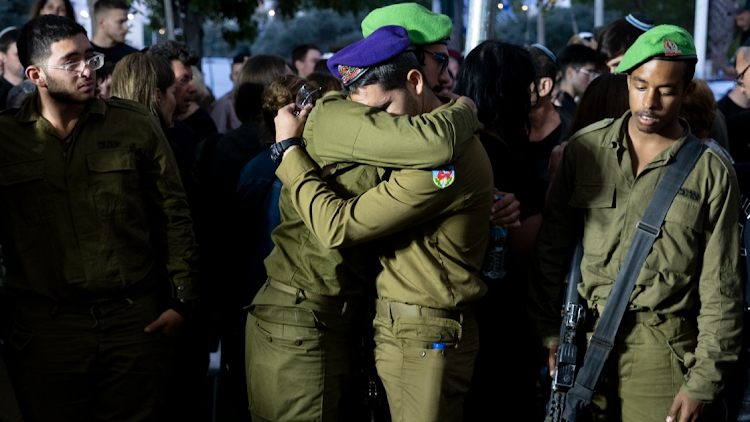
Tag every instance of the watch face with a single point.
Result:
(276, 153)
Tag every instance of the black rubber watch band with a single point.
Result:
(277, 149)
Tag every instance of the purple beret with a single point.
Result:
(383, 44)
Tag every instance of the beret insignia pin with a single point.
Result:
(350, 73)
(671, 49)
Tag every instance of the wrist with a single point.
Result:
(279, 149)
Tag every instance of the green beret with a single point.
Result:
(663, 42)
(422, 25)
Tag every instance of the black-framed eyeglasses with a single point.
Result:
(440, 58)
(76, 69)
(739, 78)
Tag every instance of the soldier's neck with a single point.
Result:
(63, 117)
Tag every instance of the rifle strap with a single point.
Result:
(647, 230)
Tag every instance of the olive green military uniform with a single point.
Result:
(301, 323)
(682, 328)
(430, 268)
(93, 229)
(9, 411)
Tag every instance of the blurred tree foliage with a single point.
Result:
(327, 29)
(516, 27)
(673, 12)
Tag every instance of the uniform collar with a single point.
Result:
(616, 138)
(30, 112)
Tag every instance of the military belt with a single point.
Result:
(321, 299)
(388, 309)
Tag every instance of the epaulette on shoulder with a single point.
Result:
(601, 124)
(127, 105)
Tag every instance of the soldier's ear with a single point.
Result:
(415, 80)
(36, 76)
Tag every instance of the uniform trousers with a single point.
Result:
(645, 370)
(424, 383)
(298, 356)
(89, 362)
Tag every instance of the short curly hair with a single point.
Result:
(280, 92)
(174, 50)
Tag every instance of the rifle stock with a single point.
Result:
(573, 316)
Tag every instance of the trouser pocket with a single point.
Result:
(425, 381)
(285, 363)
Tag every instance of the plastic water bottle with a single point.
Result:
(494, 261)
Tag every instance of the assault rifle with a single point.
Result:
(573, 314)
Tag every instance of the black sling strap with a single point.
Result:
(647, 230)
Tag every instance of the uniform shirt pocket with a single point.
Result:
(22, 192)
(114, 179)
(597, 204)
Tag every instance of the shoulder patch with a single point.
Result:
(593, 127)
(127, 105)
(444, 176)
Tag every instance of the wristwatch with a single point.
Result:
(277, 149)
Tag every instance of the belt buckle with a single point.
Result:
(647, 228)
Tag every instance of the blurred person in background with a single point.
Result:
(549, 125)
(196, 117)
(203, 96)
(500, 78)
(111, 20)
(454, 66)
(326, 81)
(104, 79)
(231, 239)
(13, 69)
(150, 81)
(742, 21)
(739, 139)
(304, 58)
(584, 38)
(19, 93)
(222, 110)
(608, 98)
(53, 7)
(735, 102)
(618, 36)
(578, 66)
(699, 110)
(2, 63)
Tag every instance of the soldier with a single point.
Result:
(301, 323)
(428, 32)
(680, 333)
(435, 222)
(94, 225)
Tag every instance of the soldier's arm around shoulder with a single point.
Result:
(346, 131)
(408, 198)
